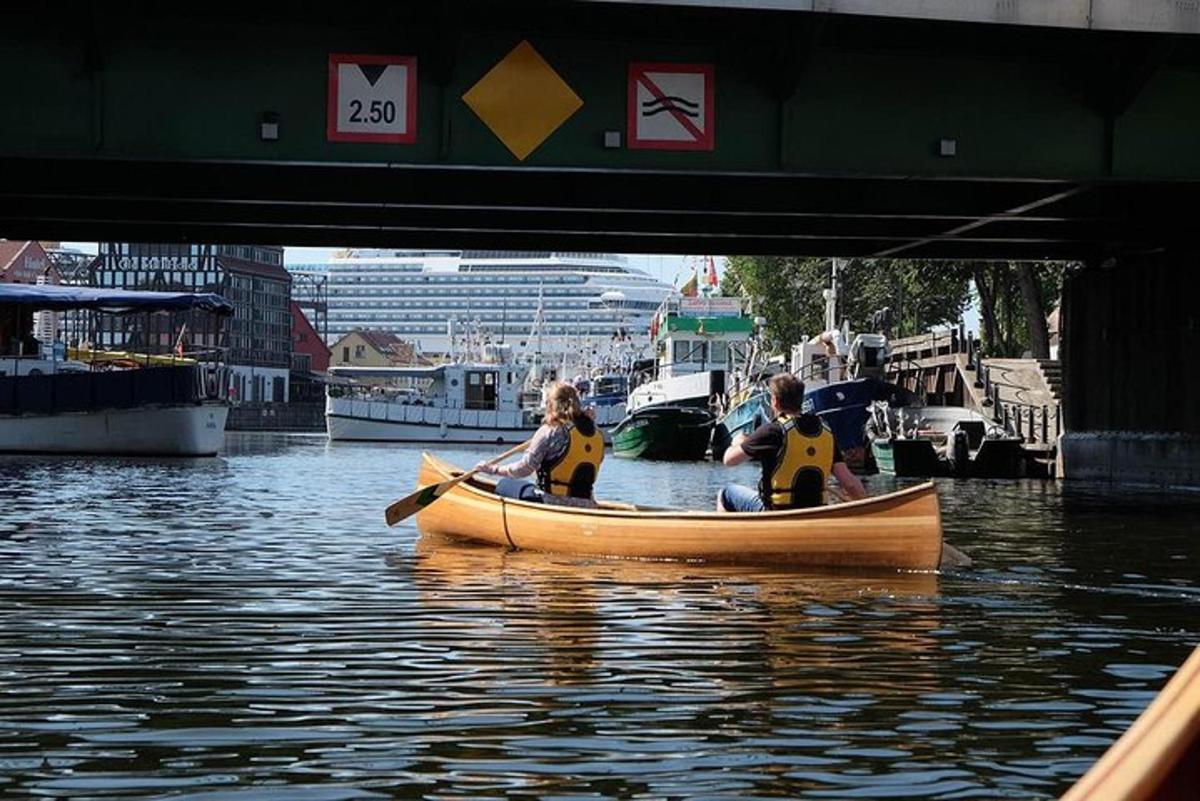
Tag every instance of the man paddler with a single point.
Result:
(797, 452)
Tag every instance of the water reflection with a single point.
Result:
(246, 627)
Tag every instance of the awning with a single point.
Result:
(114, 301)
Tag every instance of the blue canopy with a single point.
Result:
(113, 301)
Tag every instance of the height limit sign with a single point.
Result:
(372, 99)
(671, 107)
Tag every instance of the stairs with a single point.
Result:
(1051, 370)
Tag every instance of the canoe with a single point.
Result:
(1159, 756)
(899, 530)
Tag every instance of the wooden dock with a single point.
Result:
(1024, 395)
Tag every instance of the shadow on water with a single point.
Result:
(246, 627)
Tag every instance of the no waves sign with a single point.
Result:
(671, 107)
(372, 98)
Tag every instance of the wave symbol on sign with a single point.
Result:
(670, 103)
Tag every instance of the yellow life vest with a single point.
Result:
(574, 472)
(803, 464)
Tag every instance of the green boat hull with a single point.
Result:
(669, 433)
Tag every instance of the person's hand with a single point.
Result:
(485, 467)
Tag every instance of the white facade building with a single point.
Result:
(473, 297)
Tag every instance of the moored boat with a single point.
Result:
(85, 401)
(672, 407)
(1158, 757)
(671, 433)
(900, 530)
(929, 441)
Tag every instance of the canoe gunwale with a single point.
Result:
(446, 470)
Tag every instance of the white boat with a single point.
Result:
(474, 402)
(108, 405)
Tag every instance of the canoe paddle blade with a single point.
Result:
(411, 504)
(416, 501)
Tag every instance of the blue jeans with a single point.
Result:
(518, 488)
(737, 498)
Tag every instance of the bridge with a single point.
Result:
(1061, 129)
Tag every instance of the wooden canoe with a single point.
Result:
(1159, 756)
(899, 530)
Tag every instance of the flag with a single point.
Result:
(710, 273)
(690, 286)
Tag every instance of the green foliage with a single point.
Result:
(788, 292)
(1007, 333)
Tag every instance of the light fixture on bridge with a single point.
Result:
(612, 139)
(948, 148)
(268, 130)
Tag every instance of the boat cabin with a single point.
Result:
(494, 383)
(694, 335)
(832, 356)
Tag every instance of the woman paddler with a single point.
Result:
(565, 453)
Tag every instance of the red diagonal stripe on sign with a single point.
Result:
(689, 126)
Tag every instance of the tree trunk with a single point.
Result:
(987, 306)
(1031, 297)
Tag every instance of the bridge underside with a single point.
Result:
(431, 206)
(142, 121)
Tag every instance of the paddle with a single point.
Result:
(423, 496)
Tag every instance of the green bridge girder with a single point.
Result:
(142, 121)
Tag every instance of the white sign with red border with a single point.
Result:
(372, 98)
(671, 107)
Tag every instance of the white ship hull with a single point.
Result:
(381, 421)
(194, 430)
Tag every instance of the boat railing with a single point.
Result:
(80, 391)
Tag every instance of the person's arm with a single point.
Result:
(850, 482)
(529, 462)
(734, 455)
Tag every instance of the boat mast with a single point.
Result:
(831, 294)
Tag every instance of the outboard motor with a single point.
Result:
(960, 452)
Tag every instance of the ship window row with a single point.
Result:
(419, 305)
(381, 277)
(538, 268)
(521, 318)
(395, 291)
(411, 328)
(530, 297)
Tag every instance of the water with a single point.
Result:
(248, 628)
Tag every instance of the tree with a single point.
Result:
(788, 292)
(1013, 302)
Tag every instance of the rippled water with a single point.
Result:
(247, 627)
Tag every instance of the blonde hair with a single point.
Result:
(562, 404)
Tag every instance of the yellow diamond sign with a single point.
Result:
(523, 100)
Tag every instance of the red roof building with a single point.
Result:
(308, 351)
(23, 262)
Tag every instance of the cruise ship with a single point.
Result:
(445, 301)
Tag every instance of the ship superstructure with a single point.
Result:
(444, 301)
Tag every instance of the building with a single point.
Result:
(309, 352)
(443, 300)
(27, 262)
(373, 349)
(255, 343)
